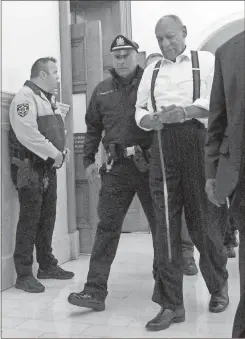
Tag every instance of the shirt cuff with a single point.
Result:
(139, 115)
(202, 103)
(52, 153)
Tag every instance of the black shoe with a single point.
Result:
(154, 274)
(219, 300)
(165, 318)
(189, 266)
(54, 272)
(231, 253)
(83, 299)
(29, 284)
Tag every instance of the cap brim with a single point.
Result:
(122, 47)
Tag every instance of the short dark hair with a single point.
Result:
(39, 65)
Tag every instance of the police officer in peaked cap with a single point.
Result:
(125, 173)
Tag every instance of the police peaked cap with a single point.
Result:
(121, 42)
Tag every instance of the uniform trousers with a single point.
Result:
(36, 222)
(183, 148)
(187, 243)
(118, 189)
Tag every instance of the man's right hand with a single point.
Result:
(58, 160)
(210, 190)
(91, 173)
(151, 121)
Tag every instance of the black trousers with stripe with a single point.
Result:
(118, 188)
(183, 148)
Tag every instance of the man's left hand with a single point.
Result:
(172, 115)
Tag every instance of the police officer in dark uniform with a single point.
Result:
(36, 141)
(112, 109)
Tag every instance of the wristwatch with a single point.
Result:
(64, 155)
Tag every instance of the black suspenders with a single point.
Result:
(195, 75)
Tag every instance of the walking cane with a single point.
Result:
(165, 192)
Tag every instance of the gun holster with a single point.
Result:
(141, 159)
(26, 175)
(113, 155)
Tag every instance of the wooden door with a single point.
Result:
(87, 72)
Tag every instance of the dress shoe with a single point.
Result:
(219, 300)
(165, 318)
(231, 253)
(29, 284)
(189, 266)
(83, 299)
(54, 272)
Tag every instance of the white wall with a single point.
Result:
(198, 16)
(30, 30)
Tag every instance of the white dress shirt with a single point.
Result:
(174, 84)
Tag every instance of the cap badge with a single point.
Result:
(120, 41)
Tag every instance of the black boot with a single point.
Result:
(219, 300)
(29, 284)
(54, 272)
(165, 318)
(189, 266)
(83, 299)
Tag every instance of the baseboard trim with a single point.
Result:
(74, 245)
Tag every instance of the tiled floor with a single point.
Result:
(128, 307)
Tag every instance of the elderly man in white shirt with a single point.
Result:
(189, 263)
(178, 112)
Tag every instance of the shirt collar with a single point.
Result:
(38, 90)
(43, 94)
(185, 55)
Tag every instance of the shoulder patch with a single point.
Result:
(23, 109)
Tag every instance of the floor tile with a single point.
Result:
(128, 305)
(11, 323)
(64, 327)
(50, 335)
(21, 334)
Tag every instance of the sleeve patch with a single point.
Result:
(22, 109)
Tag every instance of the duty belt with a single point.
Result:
(116, 154)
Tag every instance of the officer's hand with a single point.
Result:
(210, 190)
(58, 160)
(91, 173)
(151, 121)
(171, 114)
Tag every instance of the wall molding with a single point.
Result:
(7, 97)
(214, 28)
